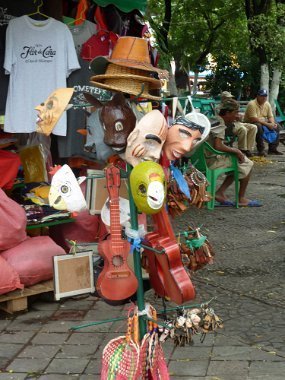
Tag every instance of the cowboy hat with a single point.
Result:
(129, 51)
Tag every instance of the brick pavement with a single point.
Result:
(247, 281)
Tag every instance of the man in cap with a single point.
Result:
(259, 112)
(228, 113)
(245, 132)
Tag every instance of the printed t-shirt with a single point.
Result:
(39, 56)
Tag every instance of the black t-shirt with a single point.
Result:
(8, 10)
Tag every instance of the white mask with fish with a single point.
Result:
(65, 192)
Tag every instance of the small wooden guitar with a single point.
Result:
(167, 274)
(116, 281)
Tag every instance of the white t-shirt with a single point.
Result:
(39, 56)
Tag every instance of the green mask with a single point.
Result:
(148, 187)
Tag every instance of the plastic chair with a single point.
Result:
(198, 159)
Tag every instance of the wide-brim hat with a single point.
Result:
(128, 80)
(130, 52)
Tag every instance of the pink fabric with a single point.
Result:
(86, 229)
(33, 259)
(9, 166)
(13, 222)
(9, 278)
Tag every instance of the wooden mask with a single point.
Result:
(117, 119)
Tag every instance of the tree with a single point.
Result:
(267, 33)
(189, 31)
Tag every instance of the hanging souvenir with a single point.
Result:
(128, 69)
(181, 137)
(117, 281)
(50, 111)
(121, 356)
(148, 187)
(153, 364)
(202, 120)
(117, 120)
(190, 322)
(146, 140)
(65, 192)
(197, 249)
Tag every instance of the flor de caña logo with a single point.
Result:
(38, 53)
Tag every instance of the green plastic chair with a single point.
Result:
(198, 159)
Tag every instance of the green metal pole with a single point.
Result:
(137, 261)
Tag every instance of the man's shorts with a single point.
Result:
(225, 161)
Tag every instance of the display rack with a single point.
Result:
(140, 298)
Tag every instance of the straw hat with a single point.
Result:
(130, 52)
(127, 79)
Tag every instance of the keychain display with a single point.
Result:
(189, 323)
(177, 199)
(195, 249)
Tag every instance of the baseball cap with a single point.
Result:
(262, 92)
(229, 105)
(226, 94)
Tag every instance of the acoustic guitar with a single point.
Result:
(116, 281)
(167, 274)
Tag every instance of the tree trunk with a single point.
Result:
(172, 84)
(264, 76)
(274, 88)
(195, 83)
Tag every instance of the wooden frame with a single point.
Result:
(73, 274)
(96, 190)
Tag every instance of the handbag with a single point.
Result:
(269, 135)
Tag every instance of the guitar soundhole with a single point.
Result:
(117, 261)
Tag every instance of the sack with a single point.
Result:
(13, 222)
(9, 278)
(269, 135)
(33, 259)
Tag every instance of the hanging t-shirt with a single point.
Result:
(8, 10)
(82, 33)
(39, 56)
(73, 143)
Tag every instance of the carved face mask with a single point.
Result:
(50, 111)
(65, 192)
(146, 141)
(148, 187)
(182, 136)
(117, 119)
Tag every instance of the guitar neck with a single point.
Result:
(163, 224)
(115, 226)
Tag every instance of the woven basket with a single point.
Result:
(121, 358)
(152, 361)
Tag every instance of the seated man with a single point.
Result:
(245, 132)
(227, 114)
(259, 112)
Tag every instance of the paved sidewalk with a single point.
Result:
(247, 280)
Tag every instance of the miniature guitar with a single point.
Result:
(116, 281)
(167, 274)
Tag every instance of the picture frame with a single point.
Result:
(96, 190)
(73, 274)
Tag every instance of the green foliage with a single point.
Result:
(268, 33)
(224, 30)
(230, 75)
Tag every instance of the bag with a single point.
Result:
(13, 222)
(121, 356)
(269, 135)
(33, 259)
(9, 278)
